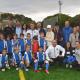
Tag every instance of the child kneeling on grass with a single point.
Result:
(4, 60)
(29, 59)
(42, 60)
(17, 58)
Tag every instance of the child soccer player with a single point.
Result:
(42, 60)
(28, 40)
(9, 48)
(2, 43)
(17, 58)
(15, 41)
(69, 57)
(28, 59)
(35, 46)
(42, 41)
(4, 60)
(22, 44)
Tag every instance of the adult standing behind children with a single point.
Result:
(33, 31)
(67, 30)
(49, 35)
(9, 29)
(74, 36)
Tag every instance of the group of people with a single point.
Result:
(24, 46)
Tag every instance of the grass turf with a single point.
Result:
(56, 73)
(11, 74)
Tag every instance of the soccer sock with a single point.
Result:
(47, 66)
(35, 65)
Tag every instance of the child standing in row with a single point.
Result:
(35, 46)
(42, 41)
(28, 40)
(27, 57)
(2, 43)
(9, 49)
(22, 44)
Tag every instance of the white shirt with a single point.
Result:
(18, 31)
(33, 33)
(54, 52)
(25, 35)
(49, 37)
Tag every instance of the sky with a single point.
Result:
(39, 9)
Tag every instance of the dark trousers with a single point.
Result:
(3, 65)
(41, 64)
(58, 60)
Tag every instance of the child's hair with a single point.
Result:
(40, 47)
(4, 50)
(9, 36)
(66, 45)
(27, 46)
(21, 34)
(16, 48)
(14, 34)
(35, 38)
(28, 34)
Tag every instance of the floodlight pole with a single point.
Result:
(60, 10)
(60, 4)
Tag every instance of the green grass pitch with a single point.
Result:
(56, 73)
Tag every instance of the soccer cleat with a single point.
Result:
(3, 70)
(40, 68)
(47, 71)
(17, 69)
(26, 69)
(67, 65)
(8, 67)
(36, 71)
(70, 66)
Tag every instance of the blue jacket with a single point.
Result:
(15, 43)
(42, 42)
(28, 42)
(40, 56)
(4, 59)
(17, 57)
(22, 45)
(66, 33)
(2, 45)
(28, 56)
(9, 46)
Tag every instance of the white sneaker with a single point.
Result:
(3, 70)
(8, 67)
(67, 65)
(40, 68)
(70, 66)
(17, 69)
(26, 69)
